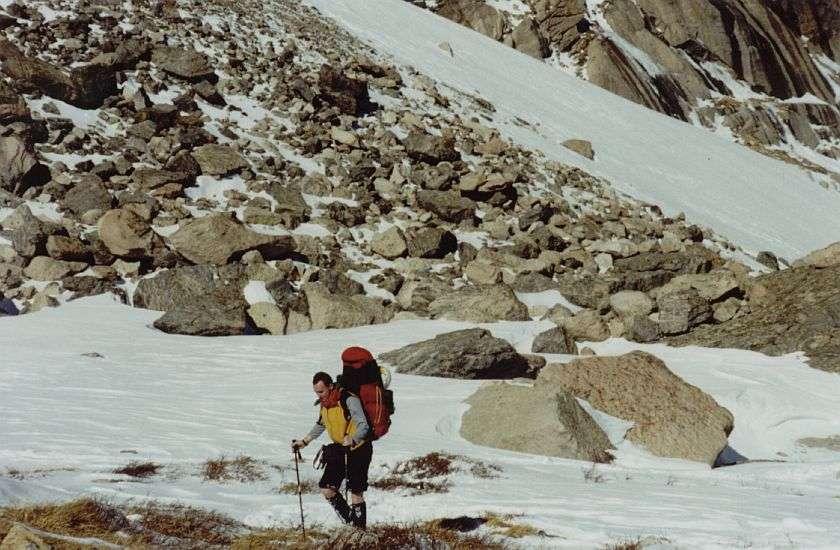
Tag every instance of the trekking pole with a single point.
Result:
(299, 458)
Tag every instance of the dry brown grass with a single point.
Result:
(411, 536)
(192, 527)
(624, 545)
(418, 487)
(85, 517)
(307, 487)
(428, 466)
(139, 469)
(242, 468)
(506, 526)
(288, 538)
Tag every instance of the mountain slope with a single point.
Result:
(754, 201)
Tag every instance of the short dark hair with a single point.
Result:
(322, 377)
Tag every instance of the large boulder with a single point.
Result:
(682, 310)
(348, 95)
(219, 160)
(183, 287)
(466, 354)
(390, 244)
(268, 317)
(537, 420)
(528, 39)
(19, 167)
(554, 340)
(85, 86)
(44, 268)
(220, 238)
(29, 238)
(430, 242)
(672, 418)
(630, 303)
(125, 234)
(207, 319)
(428, 148)
(448, 206)
(585, 325)
(476, 15)
(480, 304)
(87, 195)
(185, 64)
(790, 310)
(327, 310)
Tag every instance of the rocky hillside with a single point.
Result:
(246, 171)
(766, 73)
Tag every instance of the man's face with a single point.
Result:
(321, 389)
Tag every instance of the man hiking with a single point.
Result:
(343, 418)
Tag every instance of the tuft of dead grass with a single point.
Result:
(428, 466)
(409, 536)
(242, 468)
(288, 538)
(635, 544)
(139, 469)
(419, 487)
(506, 526)
(307, 487)
(85, 517)
(191, 526)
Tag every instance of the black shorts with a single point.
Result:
(358, 463)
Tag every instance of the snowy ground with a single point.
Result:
(755, 201)
(180, 400)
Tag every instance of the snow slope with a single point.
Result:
(181, 400)
(756, 202)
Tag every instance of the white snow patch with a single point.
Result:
(255, 292)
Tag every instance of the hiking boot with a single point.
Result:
(358, 515)
(341, 508)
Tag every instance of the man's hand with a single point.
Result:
(298, 444)
(347, 441)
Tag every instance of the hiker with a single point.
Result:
(343, 418)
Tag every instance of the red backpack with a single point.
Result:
(361, 377)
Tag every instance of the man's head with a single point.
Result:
(322, 383)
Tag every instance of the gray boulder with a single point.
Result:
(480, 304)
(672, 418)
(682, 310)
(390, 244)
(207, 319)
(327, 310)
(87, 195)
(219, 160)
(554, 340)
(125, 234)
(536, 420)
(430, 149)
(465, 354)
(183, 63)
(30, 238)
(44, 268)
(430, 242)
(449, 206)
(220, 238)
(19, 167)
(183, 287)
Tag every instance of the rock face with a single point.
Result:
(480, 304)
(327, 310)
(791, 310)
(822, 258)
(476, 15)
(219, 238)
(19, 167)
(528, 39)
(537, 420)
(466, 354)
(672, 418)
